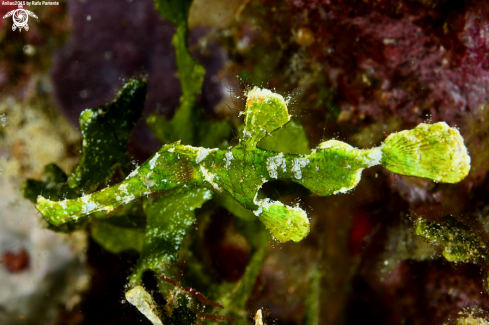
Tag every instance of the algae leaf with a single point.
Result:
(116, 239)
(190, 72)
(123, 231)
(106, 132)
(187, 125)
(457, 240)
(167, 222)
(313, 309)
(235, 295)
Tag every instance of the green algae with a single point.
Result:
(167, 221)
(236, 295)
(103, 154)
(187, 124)
(471, 316)
(457, 240)
(313, 309)
(117, 239)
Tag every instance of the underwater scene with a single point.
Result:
(294, 162)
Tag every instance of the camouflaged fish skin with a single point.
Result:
(434, 151)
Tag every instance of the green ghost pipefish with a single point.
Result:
(434, 151)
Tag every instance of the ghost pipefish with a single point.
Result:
(435, 151)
